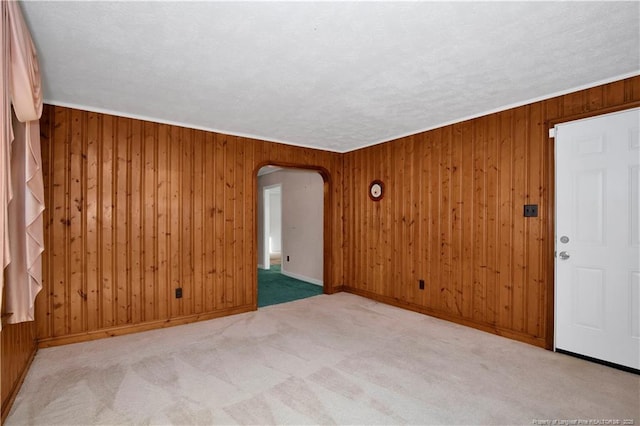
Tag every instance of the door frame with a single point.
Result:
(551, 209)
(327, 226)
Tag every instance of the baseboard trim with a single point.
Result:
(6, 405)
(510, 334)
(600, 361)
(136, 328)
(302, 278)
(333, 290)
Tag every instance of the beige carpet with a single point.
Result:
(338, 359)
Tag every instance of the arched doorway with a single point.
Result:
(305, 229)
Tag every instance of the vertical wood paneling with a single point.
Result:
(492, 224)
(419, 233)
(91, 206)
(198, 211)
(210, 217)
(106, 243)
(58, 229)
(138, 209)
(238, 225)
(135, 218)
(44, 310)
(250, 274)
(162, 288)
(219, 259)
(76, 234)
(433, 282)
(186, 222)
(505, 220)
(612, 94)
(534, 295)
(18, 346)
(121, 230)
(445, 222)
(358, 239)
(520, 239)
(465, 185)
(229, 240)
(397, 236)
(478, 232)
(174, 233)
(149, 217)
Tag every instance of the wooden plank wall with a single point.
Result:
(137, 209)
(452, 214)
(18, 346)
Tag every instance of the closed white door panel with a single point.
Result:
(597, 238)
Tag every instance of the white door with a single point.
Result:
(597, 238)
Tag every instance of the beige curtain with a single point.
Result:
(21, 185)
(6, 136)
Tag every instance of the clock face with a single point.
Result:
(376, 190)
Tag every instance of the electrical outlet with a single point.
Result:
(179, 293)
(530, 210)
(421, 283)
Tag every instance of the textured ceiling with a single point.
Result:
(334, 76)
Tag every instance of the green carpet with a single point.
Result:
(274, 288)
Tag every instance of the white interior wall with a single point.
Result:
(275, 222)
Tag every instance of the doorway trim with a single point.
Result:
(551, 209)
(327, 253)
(584, 347)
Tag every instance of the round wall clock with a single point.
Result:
(376, 190)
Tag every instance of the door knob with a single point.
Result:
(564, 255)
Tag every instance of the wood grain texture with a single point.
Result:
(18, 343)
(137, 209)
(452, 215)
